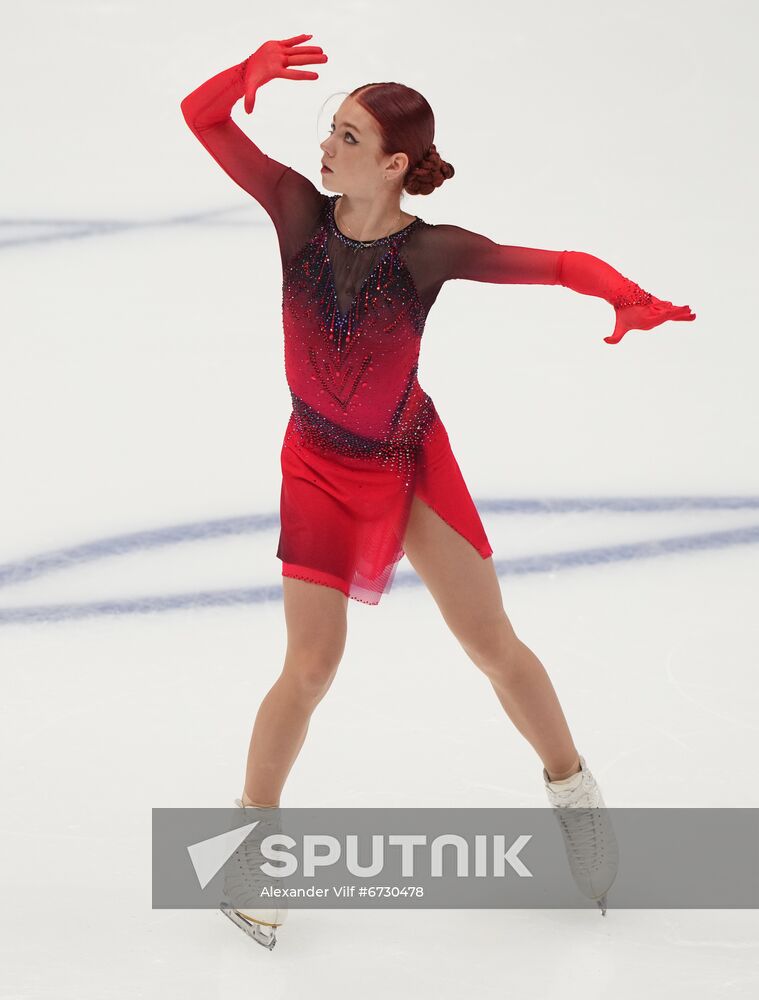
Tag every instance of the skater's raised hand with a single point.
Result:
(274, 58)
(646, 316)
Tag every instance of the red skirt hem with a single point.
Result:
(312, 575)
(343, 521)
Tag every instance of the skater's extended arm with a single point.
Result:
(464, 254)
(207, 112)
(289, 198)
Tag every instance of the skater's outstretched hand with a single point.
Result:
(646, 317)
(274, 58)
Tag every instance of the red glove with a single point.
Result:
(635, 308)
(272, 60)
(208, 113)
(645, 315)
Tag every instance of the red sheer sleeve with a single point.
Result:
(292, 202)
(463, 254)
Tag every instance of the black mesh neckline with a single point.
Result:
(362, 243)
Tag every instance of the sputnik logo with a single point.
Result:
(209, 856)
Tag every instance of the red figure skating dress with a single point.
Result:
(363, 437)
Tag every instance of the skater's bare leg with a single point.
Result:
(316, 620)
(466, 589)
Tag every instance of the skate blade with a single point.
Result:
(602, 904)
(252, 929)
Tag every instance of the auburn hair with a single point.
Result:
(406, 125)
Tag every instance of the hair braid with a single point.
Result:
(429, 173)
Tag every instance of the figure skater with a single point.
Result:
(368, 473)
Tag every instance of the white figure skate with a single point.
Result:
(244, 879)
(589, 837)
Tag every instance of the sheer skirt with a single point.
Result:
(343, 519)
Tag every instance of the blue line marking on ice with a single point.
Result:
(61, 559)
(56, 230)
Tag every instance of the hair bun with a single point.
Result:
(429, 173)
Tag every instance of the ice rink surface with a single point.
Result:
(143, 402)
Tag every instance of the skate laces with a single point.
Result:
(584, 834)
(581, 822)
(249, 855)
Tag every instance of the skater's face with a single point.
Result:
(353, 152)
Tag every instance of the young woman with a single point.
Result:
(368, 473)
